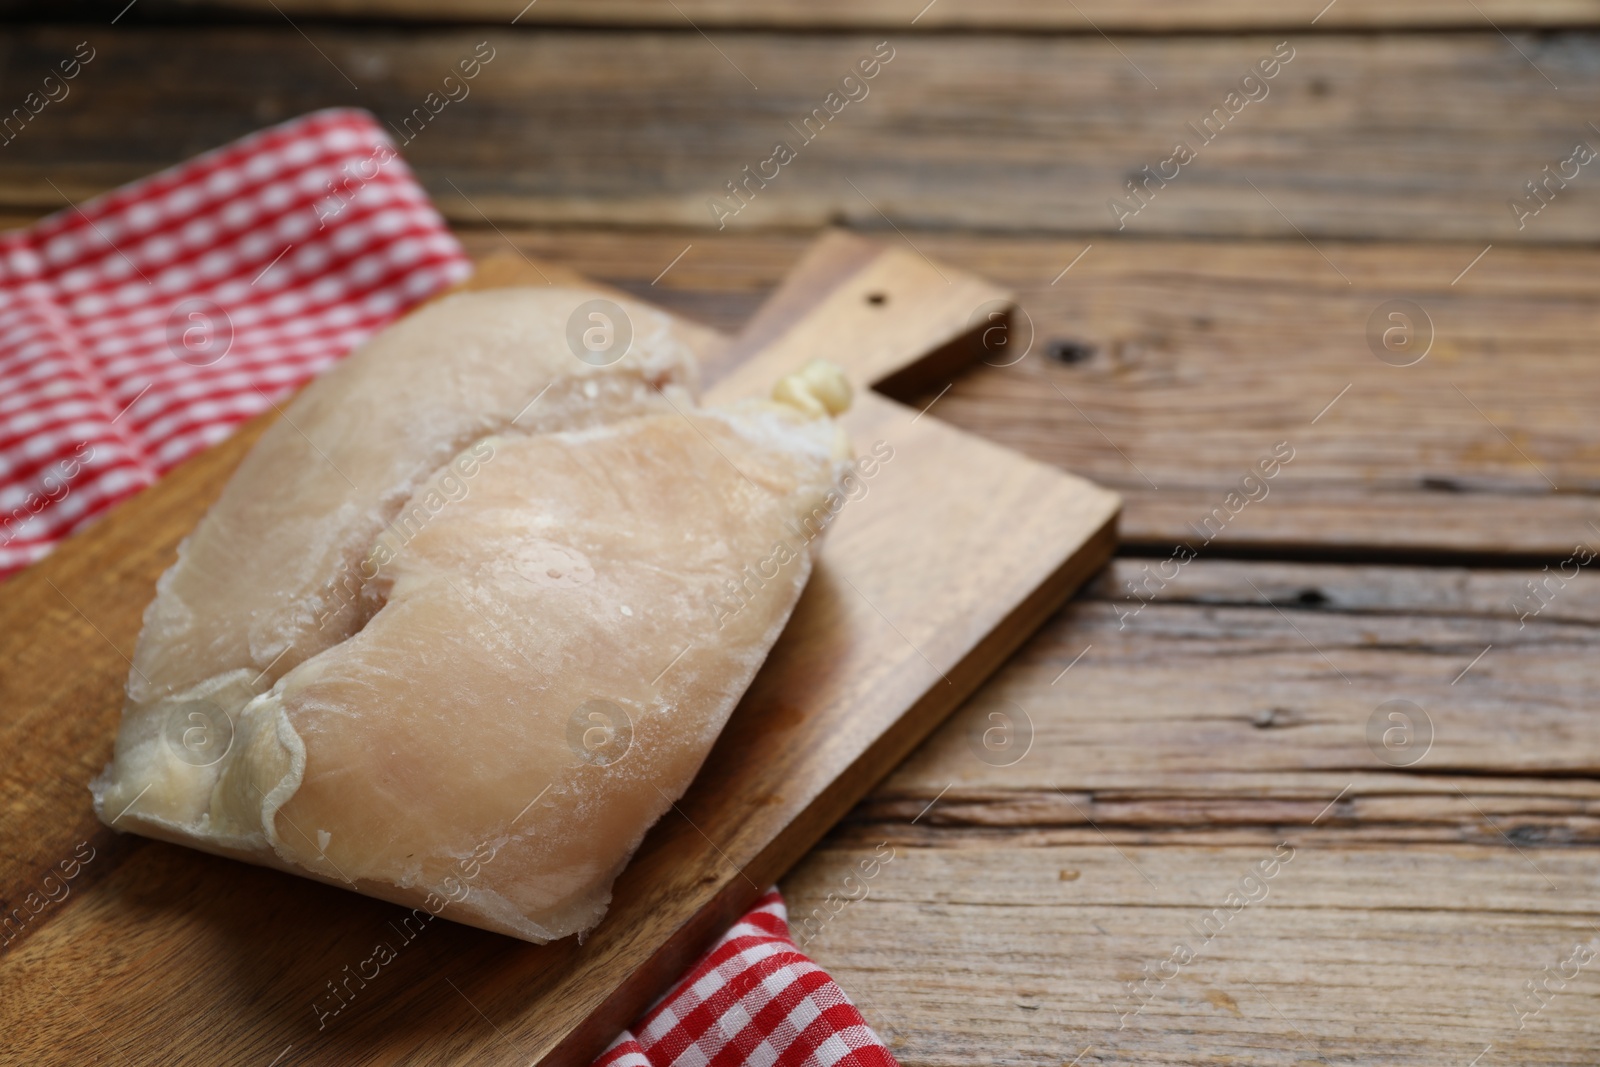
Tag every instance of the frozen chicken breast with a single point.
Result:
(268, 578)
(553, 627)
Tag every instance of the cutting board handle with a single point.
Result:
(889, 316)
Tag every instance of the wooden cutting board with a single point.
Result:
(149, 952)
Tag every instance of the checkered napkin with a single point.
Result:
(753, 999)
(144, 325)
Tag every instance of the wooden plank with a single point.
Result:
(1187, 363)
(1360, 136)
(1330, 587)
(1287, 691)
(869, 664)
(1003, 953)
(1142, 16)
(1191, 359)
(1023, 899)
(1196, 703)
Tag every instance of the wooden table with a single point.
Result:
(1208, 841)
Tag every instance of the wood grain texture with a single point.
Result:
(1011, 953)
(1140, 15)
(1361, 136)
(1179, 751)
(925, 586)
(1281, 667)
(1189, 360)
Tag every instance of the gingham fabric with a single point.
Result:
(141, 326)
(753, 999)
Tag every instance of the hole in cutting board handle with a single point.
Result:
(877, 299)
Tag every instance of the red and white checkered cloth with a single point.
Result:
(753, 999)
(144, 325)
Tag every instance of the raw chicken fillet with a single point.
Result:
(470, 615)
